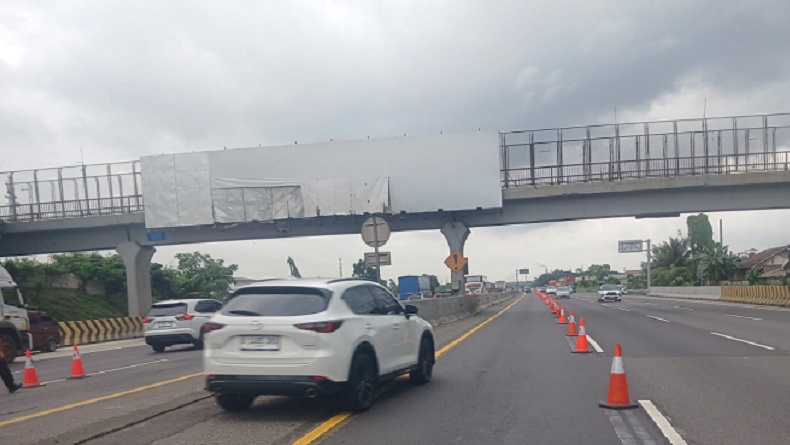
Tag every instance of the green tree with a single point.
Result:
(199, 273)
(672, 276)
(700, 232)
(599, 271)
(753, 275)
(393, 287)
(163, 282)
(434, 282)
(294, 270)
(672, 253)
(719, 262)
(362, 270)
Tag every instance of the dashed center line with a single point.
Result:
(623, 309)
(729, 337)
(744, 316)
(658, 318)
(684, 308)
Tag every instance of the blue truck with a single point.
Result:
(412, 287)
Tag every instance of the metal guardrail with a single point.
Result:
(615, 152)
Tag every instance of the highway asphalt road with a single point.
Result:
(717, 371)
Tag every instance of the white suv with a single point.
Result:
(175, 322)
(313, 337)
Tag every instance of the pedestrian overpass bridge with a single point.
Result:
(448, 183)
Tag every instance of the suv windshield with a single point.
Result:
(563, 288)
(168, 310)
(276, 302)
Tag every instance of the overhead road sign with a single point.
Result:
(630, 246)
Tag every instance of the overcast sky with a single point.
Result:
(118, 80)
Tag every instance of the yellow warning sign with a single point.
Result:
(456, 262)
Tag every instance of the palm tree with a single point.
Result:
(674, 253)
(719, 261)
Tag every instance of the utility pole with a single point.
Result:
(648, 265)
(516, 278)
(340, 261)
(721, 232)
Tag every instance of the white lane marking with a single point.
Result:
(112, 370)
(662, 422)
(658, 318)
(744, 316)
(619, 428)
(639, 428)
(594, 344)
(684, 308)
(623, 309)
(651, 304)
(729, 337)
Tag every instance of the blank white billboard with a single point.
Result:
(411, 174)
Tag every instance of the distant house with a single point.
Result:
(635, 272)
(774, 262)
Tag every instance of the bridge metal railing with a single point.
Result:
(616, 152)
(72, 191)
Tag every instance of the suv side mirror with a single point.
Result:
(410, 310)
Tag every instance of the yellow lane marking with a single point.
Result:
(96, 400)
(319, 431)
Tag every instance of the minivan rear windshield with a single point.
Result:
(276, 302)
(167, 310)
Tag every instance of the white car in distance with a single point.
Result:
(314, 337)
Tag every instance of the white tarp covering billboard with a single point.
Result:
(179, 190)
(411, 174)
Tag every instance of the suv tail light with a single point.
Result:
(323, 327)
(185, 317)
(211, 326)
(146, 319)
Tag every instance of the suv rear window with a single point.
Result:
(610, 287)
(167, 310)
(277, 302)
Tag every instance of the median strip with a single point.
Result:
(729, 337)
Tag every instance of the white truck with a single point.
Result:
(14, 321)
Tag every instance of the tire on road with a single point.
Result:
(158, 348)
(51, 346)
(234, 402)
(425, 362)
(361, 386)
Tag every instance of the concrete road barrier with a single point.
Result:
(697, 292)
(768, 295)
(97, 331)
(446, 310)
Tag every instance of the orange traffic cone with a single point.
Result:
(581, 338)
(562, 319)
(31, 377)
(76, 365)
(556, 310)
(571, 326)
(618, 385)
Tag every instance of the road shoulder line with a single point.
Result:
(662, 423)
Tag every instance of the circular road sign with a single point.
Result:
(375, 228)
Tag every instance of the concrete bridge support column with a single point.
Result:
(137, 260)
(456, 234)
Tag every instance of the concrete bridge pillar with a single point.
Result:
(456, 234)
(137, 260)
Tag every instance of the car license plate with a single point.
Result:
(260, 343)
(165, 324)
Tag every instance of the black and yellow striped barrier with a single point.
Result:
(768, 295)
(97, 331)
